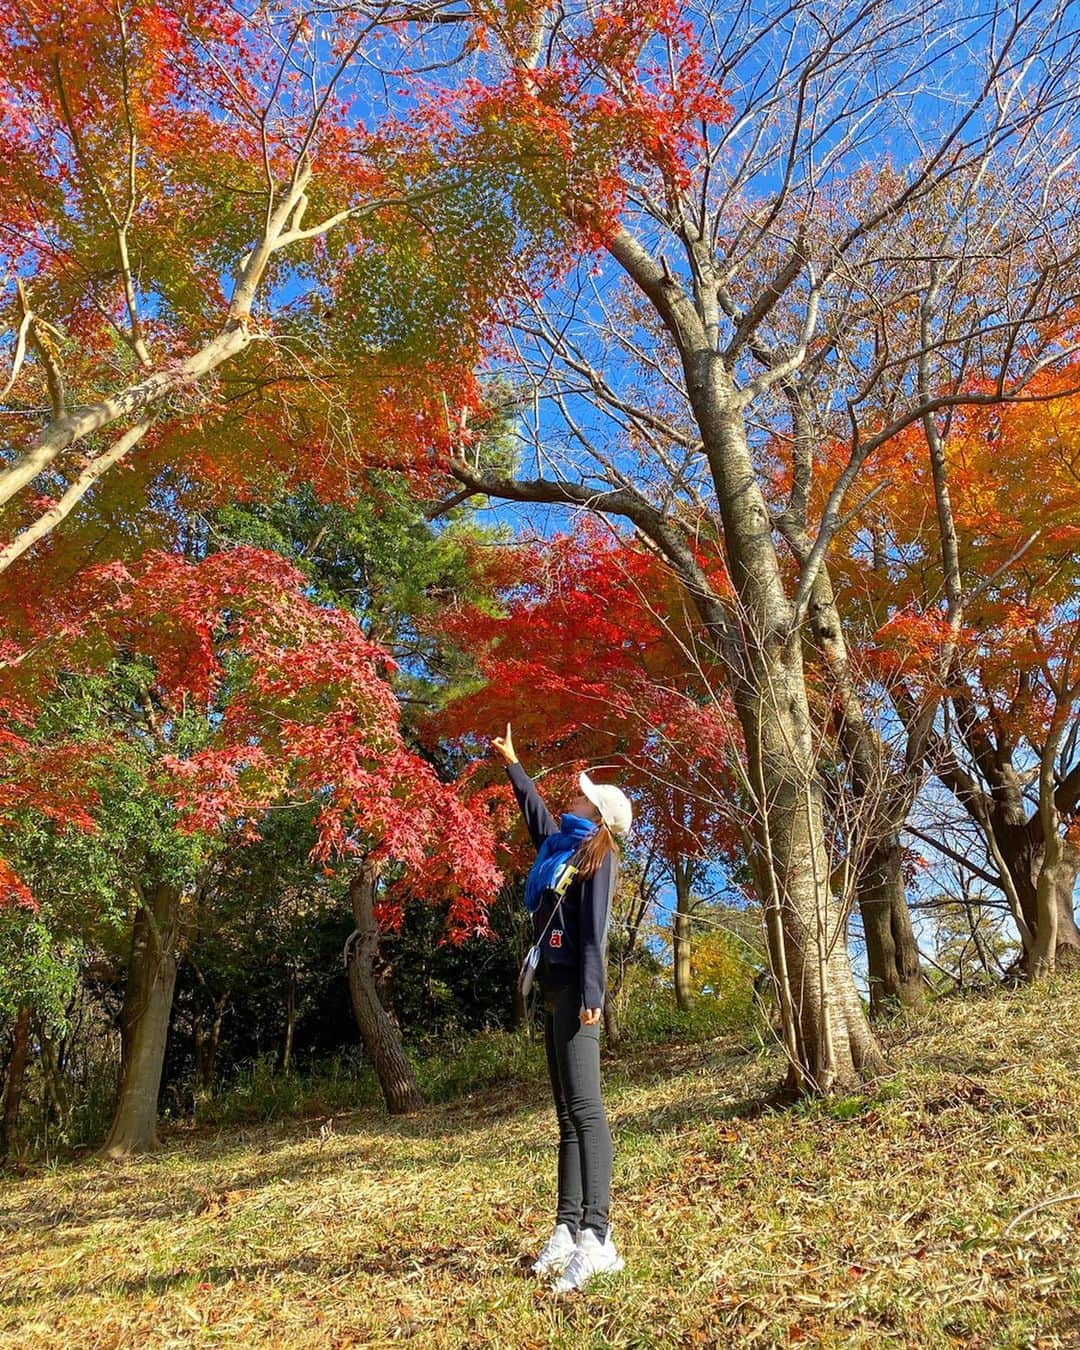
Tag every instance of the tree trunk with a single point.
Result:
(1068, 933)
(285, 1064)
(1049, 889)
(1044, 950)
(52, 1075)
(13, 1084)
(680, 936)
(1055, 868)
(1016, 845)
(1055, 880)
(144, 1023)
(206, 1047)
(892, 954)
(880, 808)
(381, 1038)
(213, 1043)
(612, 1030)
(827, 1036)
(828, 1040)
(198, 1036)
(1025, 857)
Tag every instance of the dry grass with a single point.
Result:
(905, 1218)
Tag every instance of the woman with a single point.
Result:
(568, 891)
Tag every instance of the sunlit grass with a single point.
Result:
(894, 1219)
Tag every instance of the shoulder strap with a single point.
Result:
(560, 889)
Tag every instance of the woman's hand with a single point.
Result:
(505, 746)
(590, 1017)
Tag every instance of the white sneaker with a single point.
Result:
(558, 1250)
(591, 1257)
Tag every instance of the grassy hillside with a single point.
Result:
(942, 1210)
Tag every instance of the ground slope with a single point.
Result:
(944, 1209)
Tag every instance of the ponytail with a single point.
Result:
(594, 850)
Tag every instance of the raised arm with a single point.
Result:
(538, 818)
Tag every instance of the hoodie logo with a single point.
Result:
(556, 937)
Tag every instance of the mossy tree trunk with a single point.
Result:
(144, 1021)
(13, 1081)
(381, 1037)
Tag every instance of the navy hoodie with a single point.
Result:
(575, 944)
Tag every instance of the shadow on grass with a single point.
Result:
(392, 1260)
(448, 1128)
(171, 1199)
(138, 1192)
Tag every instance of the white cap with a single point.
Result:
(612, 803)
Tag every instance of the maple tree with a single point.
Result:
(380, 560)
(236, 693)
(224, 265)
(742, 276)
(1007, 667)
(228, 272)
(580, 653)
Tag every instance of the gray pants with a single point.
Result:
(573, 1056)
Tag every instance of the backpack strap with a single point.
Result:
(559, 889)
(525, 981)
